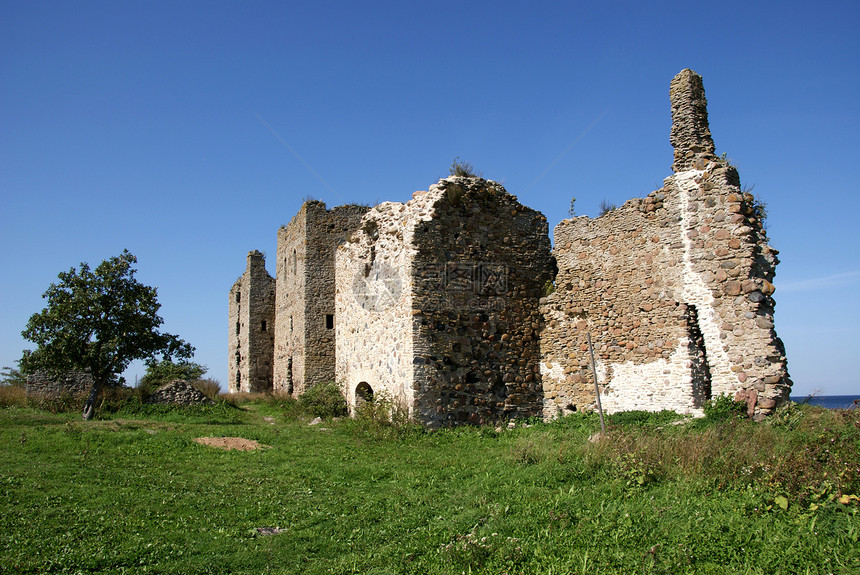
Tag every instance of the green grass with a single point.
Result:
(133, 493)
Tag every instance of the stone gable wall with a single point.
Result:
(251, 326)
(438, 304)
(290, 298)
(481, 265)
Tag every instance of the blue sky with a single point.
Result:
(188, 132)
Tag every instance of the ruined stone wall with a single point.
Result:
(675, 289)
(374, 302)
(305, 338)
(179, 392)
(251, 325)
(438, 304)
(44, 385)
(482, 263)
(290, 299)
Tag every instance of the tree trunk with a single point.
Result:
(90, 407)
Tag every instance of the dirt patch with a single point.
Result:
(229, 443)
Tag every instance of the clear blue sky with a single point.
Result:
(188, 132)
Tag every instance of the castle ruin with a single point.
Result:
(455, 306)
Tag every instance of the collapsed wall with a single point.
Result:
(305, 308)
(251, 325)
(438, 304)
(675, 290)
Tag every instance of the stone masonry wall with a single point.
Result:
(290, 304)
(437, 304)
(251, 326)
(480, 270)
(675, 289)
(74, 383)
(305, 339)
(374, 293)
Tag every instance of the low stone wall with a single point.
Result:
(179, 392)
(45, 385)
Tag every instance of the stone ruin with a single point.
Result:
(43, 384)
(178, 392)
(455, 306)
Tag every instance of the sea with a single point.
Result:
(828, 401)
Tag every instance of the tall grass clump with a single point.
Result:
(12, 396)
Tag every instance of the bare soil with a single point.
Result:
(229, 443)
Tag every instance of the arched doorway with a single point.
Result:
(363, 394)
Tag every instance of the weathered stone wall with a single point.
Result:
(45, 385)
(179, 392)
(374, 302)
(251, 328)
(438, 304)
(290, 296)
(305, 330)
(481, 266)
(674, 288)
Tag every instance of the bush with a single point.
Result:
(160, 373)
(724, 407)
(324, 400)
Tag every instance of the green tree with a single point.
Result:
(99, 321)
(164, 371)
(14, 377)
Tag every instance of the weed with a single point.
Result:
(724, 407)
(606, 207)
(462, 169)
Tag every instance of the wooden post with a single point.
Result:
(596, 388)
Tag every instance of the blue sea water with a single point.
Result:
(828, 401)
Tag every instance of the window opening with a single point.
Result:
(329, 321)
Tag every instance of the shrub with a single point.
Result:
(724, 407)
(324, 400)
(160, 373)
(382, 417)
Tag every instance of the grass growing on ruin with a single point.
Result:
(133, 493)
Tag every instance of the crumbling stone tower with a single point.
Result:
(675, 289)
(305, 326)
(251, 328)
(438, 304)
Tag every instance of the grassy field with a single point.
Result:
(134, 493)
